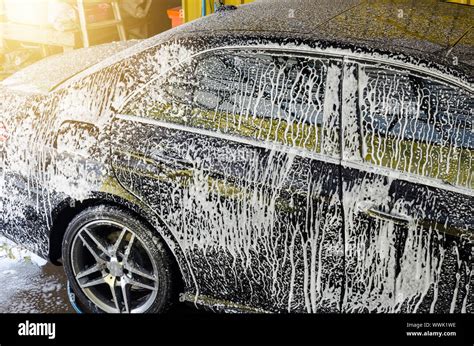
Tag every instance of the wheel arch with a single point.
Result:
(65, 212)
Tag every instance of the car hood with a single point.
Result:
(46, 74)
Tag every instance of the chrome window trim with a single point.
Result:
(234, 138)
(300, 152)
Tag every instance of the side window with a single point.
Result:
(417, 124)
(290, 100)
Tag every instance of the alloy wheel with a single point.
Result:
(114, 268)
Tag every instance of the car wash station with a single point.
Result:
(255, 156)
(31, 30)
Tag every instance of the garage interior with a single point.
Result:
(34, 29)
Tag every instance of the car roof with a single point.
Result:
(430, 30)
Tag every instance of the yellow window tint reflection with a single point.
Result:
(267, 97)
(417, 125)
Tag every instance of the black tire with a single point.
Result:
(123, 274)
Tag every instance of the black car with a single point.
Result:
(284, 156)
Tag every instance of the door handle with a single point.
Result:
(398, 219)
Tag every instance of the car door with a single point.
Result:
(238, 153)
(407, 191)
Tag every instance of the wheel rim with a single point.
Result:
(114, 268)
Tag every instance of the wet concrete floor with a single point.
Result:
(28, 284)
